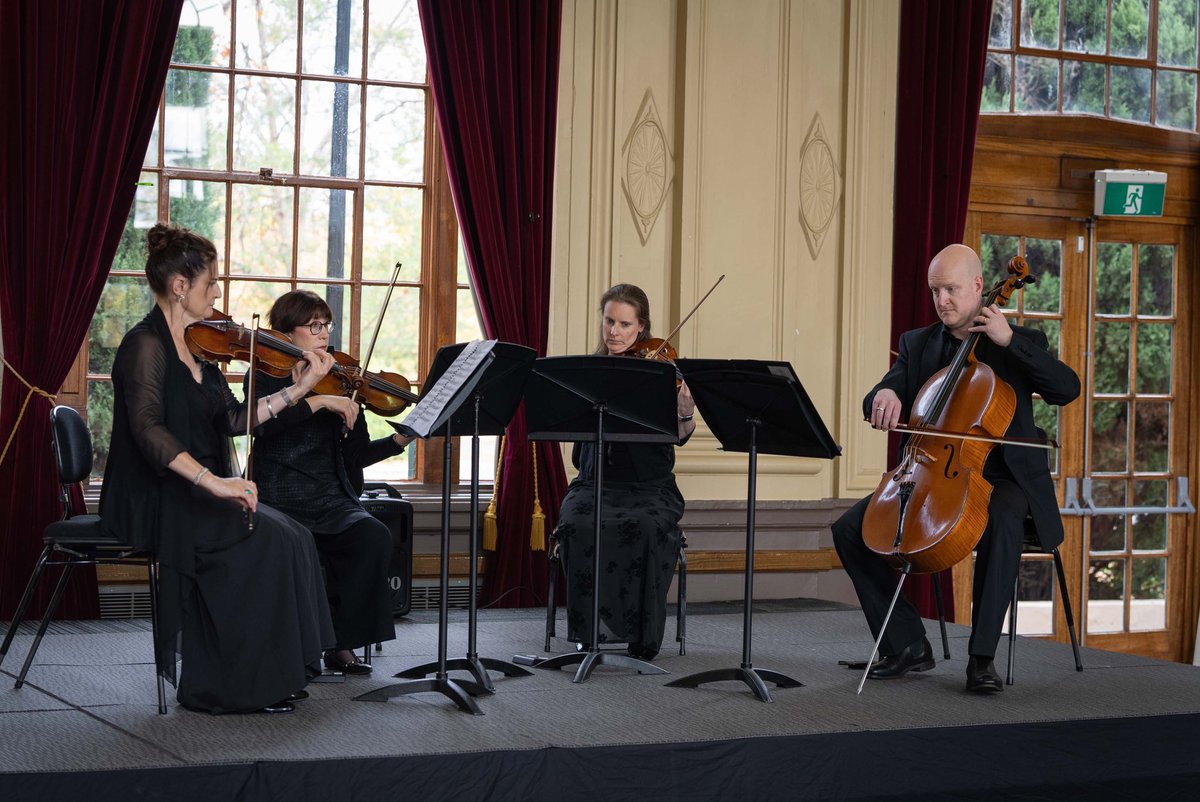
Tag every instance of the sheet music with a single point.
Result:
(440, 400)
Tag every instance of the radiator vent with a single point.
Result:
(427, 595)
(125, 601)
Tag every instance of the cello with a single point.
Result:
(929, 511)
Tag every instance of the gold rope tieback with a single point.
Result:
(537, 530)
(32, 390)
(489, 517)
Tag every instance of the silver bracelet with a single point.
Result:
(270, 411)
(287, 399)
(685, 418)
(199, 476)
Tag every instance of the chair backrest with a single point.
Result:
(72, 445)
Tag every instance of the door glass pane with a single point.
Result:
(1106, 595)
(1154, 358)
(195, 119)
(1114, 273)
(994, 252)
(1110, 421)
(393, 216)
(1150, 529)
(1049, 328)
(1177, 32)
(1151, 436)
(329, 128)
(323, 23)
(1148, 592)
(1035, 591)
(395, 133)
(1156, 279)
(1108, 531)
(203, 35)
(395, 47)
(200, 206)
(1045, 264)
(1111, 358)
(264, 123)
(1045, 417)
(266, 36)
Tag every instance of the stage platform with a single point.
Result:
(85, 726)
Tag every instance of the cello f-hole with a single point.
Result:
(949, 461)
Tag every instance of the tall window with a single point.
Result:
(298, 135)
(1133, 60)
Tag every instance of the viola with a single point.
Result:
(220, 339)
(930, 511)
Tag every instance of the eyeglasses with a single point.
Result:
(318, 326)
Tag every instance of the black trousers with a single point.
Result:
(997, 559)
(356, 563)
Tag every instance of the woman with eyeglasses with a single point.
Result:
(308, 462)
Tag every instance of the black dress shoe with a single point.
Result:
(298, 696)
(353, 668)
(642, 651)
(283, 706)
(982, 676)
(917, 656)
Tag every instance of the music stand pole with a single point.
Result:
(458, 691)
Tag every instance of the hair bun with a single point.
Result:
(162, 235)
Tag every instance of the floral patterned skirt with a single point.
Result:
(639, 544)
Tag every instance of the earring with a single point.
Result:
(179, 298)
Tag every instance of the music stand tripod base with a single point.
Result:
(457, 691)
(477, 667)
(755, 678)
(590, 659)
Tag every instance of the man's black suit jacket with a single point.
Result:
(1029, 368)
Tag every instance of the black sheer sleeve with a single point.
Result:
(139, 374)
(233, 422)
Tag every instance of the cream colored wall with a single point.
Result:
(751, 138)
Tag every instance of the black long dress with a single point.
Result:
(639, 542)
(244, 610)
(304, 466)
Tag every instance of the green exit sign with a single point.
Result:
(1130, 193)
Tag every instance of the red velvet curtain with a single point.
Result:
(943, 47)
(493, 67)
(81, 83)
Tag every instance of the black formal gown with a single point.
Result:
(639, 542)
(243, 609)
(306, 465)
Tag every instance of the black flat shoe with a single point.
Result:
(642, 651)
(916, 656)
(283, 706)
(982, 676)
(298, 696)
(355, 668)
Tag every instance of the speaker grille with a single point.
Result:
(427, 595)
(125, 601)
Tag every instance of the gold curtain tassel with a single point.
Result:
(537, 529)
(490, 531)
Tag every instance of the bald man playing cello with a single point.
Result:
(1020, 476)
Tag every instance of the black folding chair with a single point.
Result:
(554, 556)
(78, 540)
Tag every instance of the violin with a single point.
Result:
(660, 349)
(220, 339)
(929, 512)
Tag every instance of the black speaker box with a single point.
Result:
(385, 503)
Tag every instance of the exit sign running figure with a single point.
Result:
(1130, 193)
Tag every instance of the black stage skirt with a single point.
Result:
(639, 545)
(256, 622)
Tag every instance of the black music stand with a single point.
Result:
(492, 405)
(601, 399)
(756, 407)
(433, 413)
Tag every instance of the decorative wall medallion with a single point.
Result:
(649, 167)
(820, 186)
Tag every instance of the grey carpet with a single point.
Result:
(89, 701)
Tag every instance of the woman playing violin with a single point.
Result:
(642, 508)
(308, 462)
(246, 607)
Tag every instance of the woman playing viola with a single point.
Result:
(245, 607)
(309, 461)
(642, 508)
